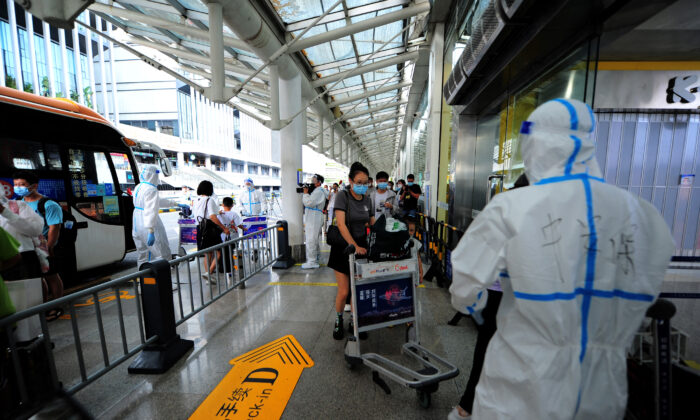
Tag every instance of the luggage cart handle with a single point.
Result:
(350, 249)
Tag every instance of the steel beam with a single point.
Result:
(361, 26)
(377, 130)
(401, 58)
(363, 86)
(356, 114)
(181, 53)
(339, 63)
(377, 121)
(157, 22)
(368, 94)
(355, 11)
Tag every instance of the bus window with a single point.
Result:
(125, 175)
(43, 159)
(30, 155)
(92, 185)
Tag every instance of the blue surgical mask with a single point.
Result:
(382, 185)
(22, 191)
(250, 188)
(409, 183)
(360, 189)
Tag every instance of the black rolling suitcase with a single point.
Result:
(36, 374)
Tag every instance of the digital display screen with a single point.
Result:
(384, 301)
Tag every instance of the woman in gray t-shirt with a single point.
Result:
(354, 213)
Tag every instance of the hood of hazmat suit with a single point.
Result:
(579, 262)
(252, 202)
(146, 218)
(313, 220)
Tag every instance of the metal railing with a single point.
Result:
(241, 259)
(245, 257)
(439, 239)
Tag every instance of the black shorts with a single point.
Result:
(338, 261)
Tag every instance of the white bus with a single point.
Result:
(83, 162)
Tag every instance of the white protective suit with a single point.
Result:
(252, 203)
(313, 220)
(25, 226)
(146, 218)
(579, 261)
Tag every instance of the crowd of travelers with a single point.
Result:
(542, 263)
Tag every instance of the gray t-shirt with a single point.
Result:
(357, 215)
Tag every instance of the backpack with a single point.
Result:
(69, 227)
(389, 240)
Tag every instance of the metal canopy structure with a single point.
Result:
(355, 56)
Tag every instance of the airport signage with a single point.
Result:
(647, 89)
(260, 383)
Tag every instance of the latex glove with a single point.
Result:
(151, 239)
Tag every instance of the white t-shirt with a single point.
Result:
(230, 219)
(378, 200)
(199, 210)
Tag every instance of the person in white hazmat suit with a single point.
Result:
(579, 262)
(148, 230)
(313, 220)
(252, 201)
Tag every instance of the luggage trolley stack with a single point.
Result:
(384, 295)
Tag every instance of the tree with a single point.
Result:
(28, 87)
(45, 86)
(74, 95)
(87, 92)
(10, 82)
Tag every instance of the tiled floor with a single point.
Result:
(245, 319)
(266, 310)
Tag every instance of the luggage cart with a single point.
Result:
(252, 247)
(187, 236)
(384, 295)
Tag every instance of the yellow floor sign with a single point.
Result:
(259, 384)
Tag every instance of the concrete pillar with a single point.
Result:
(49, 61)
(432, 171)
(29, 22)
(64, 65)
(321, 134)
(229, 166)
(103, 71)
(291, 137)
(90, 60)
(180, 160)
(78, 65)
(14, 36)
(332, 155)
(207, 162)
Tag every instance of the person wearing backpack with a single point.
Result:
(25, 186)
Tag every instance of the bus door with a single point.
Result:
(127, 176)
(96, 194)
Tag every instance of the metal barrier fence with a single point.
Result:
(439, 239)
(160, 306)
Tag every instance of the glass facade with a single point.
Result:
(571, 79)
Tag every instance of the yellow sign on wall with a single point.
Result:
(259, 384)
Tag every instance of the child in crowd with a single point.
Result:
(411, 223)
(230, 219)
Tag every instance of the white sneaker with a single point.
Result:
(347, 307)
(309, 266)
(454, 415)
